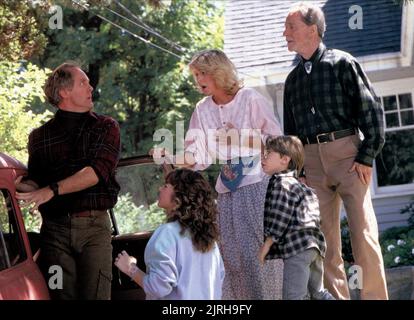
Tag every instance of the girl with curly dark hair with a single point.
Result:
(182, 257)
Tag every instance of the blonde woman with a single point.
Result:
(228, 127)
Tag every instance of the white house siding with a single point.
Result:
(388, 211)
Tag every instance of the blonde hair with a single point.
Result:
(290, 146)
(215, 63)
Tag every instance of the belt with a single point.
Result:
(329, 136)
(88, 213)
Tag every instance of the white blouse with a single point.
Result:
(176, 271)
(212, 125)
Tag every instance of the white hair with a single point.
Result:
(311, 15)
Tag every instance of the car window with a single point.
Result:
(11, 245)
(136, 209)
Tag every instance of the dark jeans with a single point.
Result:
(82, 248)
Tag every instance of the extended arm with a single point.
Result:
(81, 180)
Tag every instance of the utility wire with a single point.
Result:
(177, 46)
(130, 32)
(147, 27)
(143, 39)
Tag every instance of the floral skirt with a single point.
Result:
(241, 236)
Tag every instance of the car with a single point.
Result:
(20, 277)
(134, 218)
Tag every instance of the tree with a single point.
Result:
(20, 85)
(140, 86)
(20, 30)
(22, 23)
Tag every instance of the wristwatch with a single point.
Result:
(55, 188)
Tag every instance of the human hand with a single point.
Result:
(364, 172)
(126, 263)
(25, 186)
(34, 198)
(157, 152)
(263, 251)
(228, 135)
(188, 161)
(229, 126)
(302, 180)
(161, 156)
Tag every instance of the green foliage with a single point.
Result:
(20, 85)
(409, 209)
(32, 222)
(398, 242)
(4, 215)
(395, 165)
(399, 251)
(131, 219)
(142, 87)
(393, 233)
(20, 30)
(145, 89)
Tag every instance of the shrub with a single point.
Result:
(131, 218)
(398, 243)
(393, 233)
(409, 208)
(399, 251)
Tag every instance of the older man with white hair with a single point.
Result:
(328, 99)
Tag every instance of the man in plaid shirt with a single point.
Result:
(72, 160)
(327, 100)
(291, 222)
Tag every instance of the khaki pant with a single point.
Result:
(326, 167)
(82, 248)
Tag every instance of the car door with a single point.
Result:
(135, 216)
(20, 277)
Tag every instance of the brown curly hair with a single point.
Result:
(197, 210)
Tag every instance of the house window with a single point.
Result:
(395, 163)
